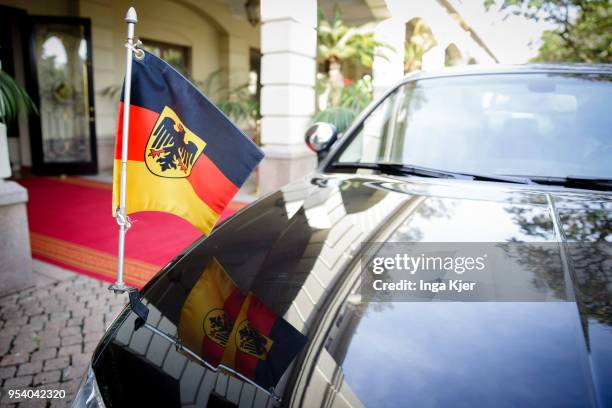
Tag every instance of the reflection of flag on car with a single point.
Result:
(185, 156)
(225, 327)
(208, 313)
(261, 345)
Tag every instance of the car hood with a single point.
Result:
(295, 248)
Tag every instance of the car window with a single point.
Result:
(522, 124)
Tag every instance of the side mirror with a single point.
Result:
(320, 137)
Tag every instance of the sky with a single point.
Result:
(513, 40)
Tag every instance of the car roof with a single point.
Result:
(563, 68)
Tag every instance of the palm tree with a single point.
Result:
(337, 43)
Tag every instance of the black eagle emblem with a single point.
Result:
(252, 341)
(220, 328)
(217, 326)
(169, 147)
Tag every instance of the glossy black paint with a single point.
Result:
(297, 250)
(285, 245)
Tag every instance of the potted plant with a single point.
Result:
(13, 99)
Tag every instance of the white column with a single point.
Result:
(288, 45)
(388, 67)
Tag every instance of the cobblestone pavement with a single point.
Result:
(48, 332)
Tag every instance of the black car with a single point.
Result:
(500, 156)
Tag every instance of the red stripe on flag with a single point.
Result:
(233, 303)
(211, 351)
(142, 122)
(210, 184)
(246, 364)
(261, 317)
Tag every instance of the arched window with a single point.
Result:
(419, 40)
(452, 56)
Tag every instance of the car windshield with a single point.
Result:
(546, 125)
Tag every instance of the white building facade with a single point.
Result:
(288, 67)
(279, 51)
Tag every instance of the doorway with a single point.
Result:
(60, 81)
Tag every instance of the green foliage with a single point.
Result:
(339, 116)
(353, 99)
(237, 103)
(584, 32)
(13, 99)
(111, 91)
(337, 42)
(358, 95)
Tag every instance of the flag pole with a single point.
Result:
(124, 224)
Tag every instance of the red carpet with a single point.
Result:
(71, 226)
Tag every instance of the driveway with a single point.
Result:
(48, 332)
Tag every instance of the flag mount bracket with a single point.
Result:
(135, 48)
(123, 219)
(119, 288)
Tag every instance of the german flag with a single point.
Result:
(261, 345)
(209, 312)
(184, 156)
